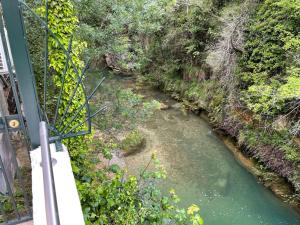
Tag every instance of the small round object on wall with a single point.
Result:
(14, 123)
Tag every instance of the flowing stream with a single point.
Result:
(203, 171)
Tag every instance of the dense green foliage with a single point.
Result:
(61, 13)
(270, 85)
(270, 65)
(108, 197)
(119, 29)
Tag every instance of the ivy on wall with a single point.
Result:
(63, 22)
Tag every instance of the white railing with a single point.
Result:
(52, 214)
(55, 197)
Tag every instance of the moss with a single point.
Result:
(133, 142)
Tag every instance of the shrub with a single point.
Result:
(133, 142)
(269, 64)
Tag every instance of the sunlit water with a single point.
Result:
(202, 171)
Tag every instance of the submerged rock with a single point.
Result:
(163, 106)
(117, 160)
(177, 106)
(222, 184)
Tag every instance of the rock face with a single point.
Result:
(112, 61)
(280, 123)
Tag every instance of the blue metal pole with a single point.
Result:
(16, 34)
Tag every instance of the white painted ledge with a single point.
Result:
(70, 212)
(26, 223)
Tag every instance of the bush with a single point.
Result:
(133, 142)
(270, 70)
(131, 200)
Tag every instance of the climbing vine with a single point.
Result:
(63, 22)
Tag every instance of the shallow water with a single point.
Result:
(203, 171)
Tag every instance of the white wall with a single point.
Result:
(70, 212)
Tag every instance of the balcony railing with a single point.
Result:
(55, 197)
(52, 214)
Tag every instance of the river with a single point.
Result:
(203, 171)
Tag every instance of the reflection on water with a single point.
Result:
(203, 171)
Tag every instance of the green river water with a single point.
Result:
(203, 171)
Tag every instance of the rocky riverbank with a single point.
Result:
(282, 188)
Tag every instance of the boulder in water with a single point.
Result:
(177, 106)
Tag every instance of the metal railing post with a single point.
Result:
(49, 185)
(21, 60)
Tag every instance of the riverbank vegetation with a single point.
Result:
(108, 194)
(238, 60)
